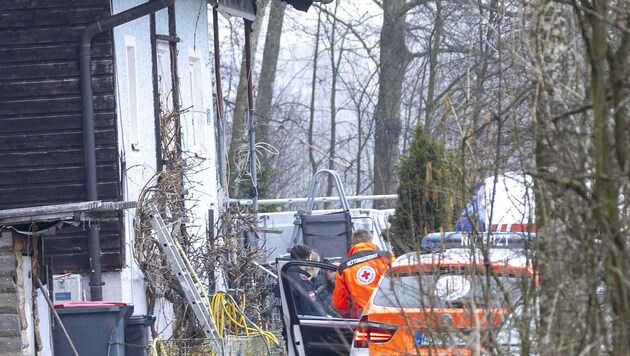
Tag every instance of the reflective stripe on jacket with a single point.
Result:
(357, 276)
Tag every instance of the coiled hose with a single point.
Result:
(225, 312)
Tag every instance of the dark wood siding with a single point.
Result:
(41, 137)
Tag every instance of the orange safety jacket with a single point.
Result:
(357, 276)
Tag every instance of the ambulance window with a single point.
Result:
(430, 290)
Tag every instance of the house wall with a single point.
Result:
(10, 331)
(137, 147)
(41, 137)
(198, 137)
(41, 147)
(198, 121)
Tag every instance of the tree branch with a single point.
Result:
(352, 29)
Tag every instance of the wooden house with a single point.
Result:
(63, 140)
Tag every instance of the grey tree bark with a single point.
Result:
(335, 60)
(394, 59)
(605, 58)
(433, 63)
(264, 98)
(239, 122)
(311, 118)
(566, 260)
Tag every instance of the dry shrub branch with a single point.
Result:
(228, 255)
(236, 247)
(166, 191)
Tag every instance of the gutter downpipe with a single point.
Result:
(251, 118)
(87, 108)
(220, 123)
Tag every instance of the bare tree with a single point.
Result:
(264, 99)
(394, 58)
(336, 56)
(608, 55)
(269, 64)
(580, 56)
(311, 118)
(239, 119)
(435, 42)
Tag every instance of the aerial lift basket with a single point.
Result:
(329, 234)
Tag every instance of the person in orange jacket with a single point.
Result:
(358, 274)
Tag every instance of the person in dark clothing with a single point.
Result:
(304, 294)
(302, 289)
(325, 291)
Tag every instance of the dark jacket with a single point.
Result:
(324, 292)
(303, 291)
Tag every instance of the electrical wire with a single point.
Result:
(230, 316)
(157, 347)
(225, 312)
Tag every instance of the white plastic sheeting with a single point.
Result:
(502, 204)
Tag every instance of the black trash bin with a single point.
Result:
(95, 328)
(137, 335)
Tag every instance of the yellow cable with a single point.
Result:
(227, 308)
(157, 345)
(154, 347)
(243, 304)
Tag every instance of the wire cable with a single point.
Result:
(157, 347)
(225, 304)
(225, 311)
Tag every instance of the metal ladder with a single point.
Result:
(182, 273)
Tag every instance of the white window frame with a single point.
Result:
(165, 85)
(196, 90)
(132, 91)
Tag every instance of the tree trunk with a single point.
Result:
(394, 59)
(605, 187)
(334, 67)
(311, 119)
(620, 81)
(433, 61)
(566, 259)
(239, 120)
(264, 98)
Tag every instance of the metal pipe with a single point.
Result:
(217, 61)
(265, 270)
(157, 130)
(87, 108)
(250, 116)
(316, 200)
(221, 165)
(220, 123)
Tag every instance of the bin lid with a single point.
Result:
(146, 320)
(84, 305)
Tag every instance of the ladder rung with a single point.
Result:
(183, 277)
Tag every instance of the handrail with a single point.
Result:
(310, 198)
(286, 201)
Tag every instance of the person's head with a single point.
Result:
(313, 271)
(300, 252)
(331, 275)
(361, 235)
(315, 256)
